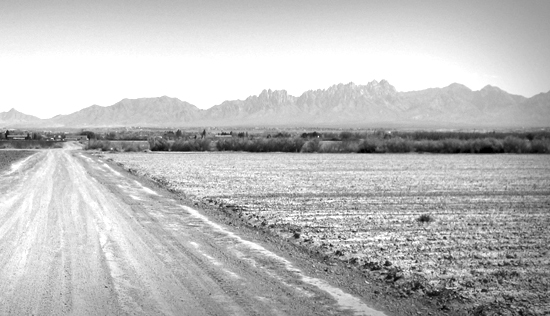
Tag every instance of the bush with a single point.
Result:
(29, 144)
(158, 144)
(261, 144)
(339, 147)
(346, 135)
(425, 218)
(453, 146)
(292, 145)
(282, 135)
(311, 142)
(349, 147)
(371, 145)
(540, 146)
(191, 145)
(486, 146)
(429, 146)
(103, 145)
(398, 145)
(516, 145)
(127, 146)
(132, 147)
(311, 146)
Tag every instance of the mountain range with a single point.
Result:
(377, 104)
(14, 117)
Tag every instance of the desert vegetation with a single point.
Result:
(29, 144)
(360, 142)
(113, 145)
(466, 230)
(330, 141)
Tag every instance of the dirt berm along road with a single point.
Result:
(78, 237)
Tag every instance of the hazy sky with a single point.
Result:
(57, 57)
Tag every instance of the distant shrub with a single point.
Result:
(311, 135)
(429, 146)
(115, 145)
(103, 145)
(371, 145)
(158, 144)
(311, 146)
(425, 218)
(377, 142)
(331, 147)
(240, 144)
(439, 135)
(133, 147)
(282, 135)
(516, 145)
(231, 144)
(485, 146)
(261, 144)
(398, 145)
(346, 135)
(351, 146)
(29, 144)
(540, 146)
(184, 145)
(286, 145)
(191, 145)
(453, 146)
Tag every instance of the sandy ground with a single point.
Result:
(78, 237)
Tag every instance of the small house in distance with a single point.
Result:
(17, 137)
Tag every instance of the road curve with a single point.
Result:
(80, 238)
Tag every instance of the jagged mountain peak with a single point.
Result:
(341, 86)
(374, 87)
(377, 103)
(269, 93)
(382, 88)
(270, 96)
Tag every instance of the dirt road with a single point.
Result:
(78, 237)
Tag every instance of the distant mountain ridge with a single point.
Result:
(15, 117)
(137, 112)
(376, 104)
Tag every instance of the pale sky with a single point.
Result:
(57, 57)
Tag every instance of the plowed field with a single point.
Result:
(488, 242)
(7, 157)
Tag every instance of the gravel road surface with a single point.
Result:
(78, 237)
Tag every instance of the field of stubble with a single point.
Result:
(7, 157)
(488, 243)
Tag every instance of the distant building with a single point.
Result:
(17, 137)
